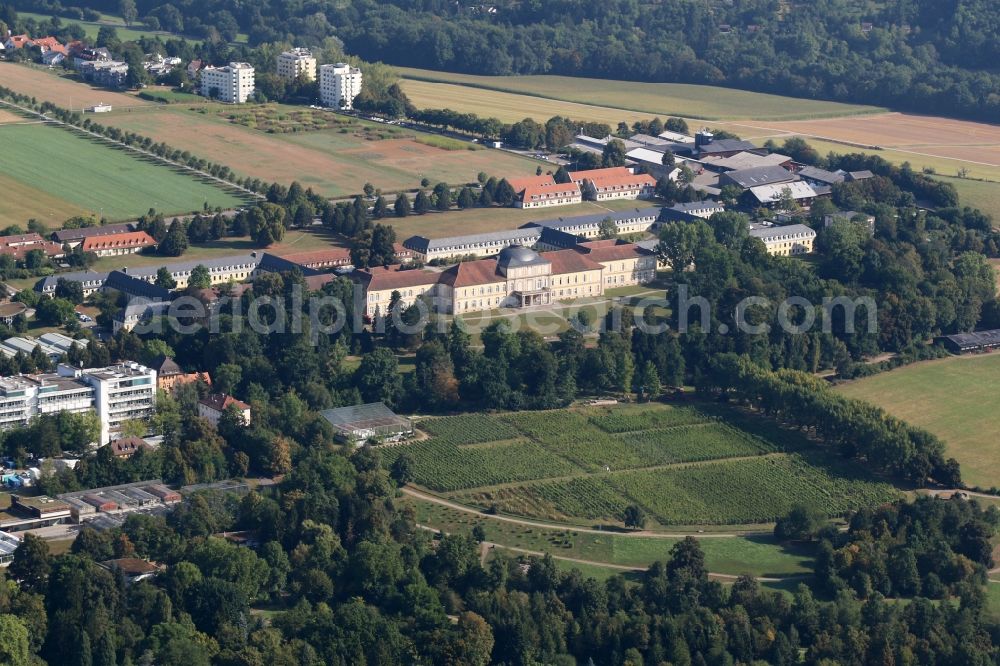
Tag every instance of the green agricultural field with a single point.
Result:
(758, 555)
(610, 97)
(685, 465)
(955, 398)
(76, 175)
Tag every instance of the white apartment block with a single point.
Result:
(339, 84)
(232, 84)
(297, 62)
(117, 393)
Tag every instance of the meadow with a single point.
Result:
(67, 174)
(610, 101)
(684, 465)
(334, 162)
(758, 555)
(955, 398)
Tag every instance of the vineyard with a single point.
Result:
(682, 465)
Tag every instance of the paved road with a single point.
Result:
(412, 492)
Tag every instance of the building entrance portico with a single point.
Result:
(529, 298)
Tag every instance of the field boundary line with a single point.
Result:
(428, 497)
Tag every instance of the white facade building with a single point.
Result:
(232, 84)
(295, 63)
(339, 84)
(117, 393)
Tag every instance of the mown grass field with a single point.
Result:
(63, 174)
(93, 27)
(758, 555)
(686, 465)
(610, 100)
(334, 162)
(955, 398)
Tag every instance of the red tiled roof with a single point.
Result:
(401, 251)
(530, 181)
(549, 191)
(316, 282)
(118, 241)
(613, 178)
(18, 246)
(126, 446)
(19, 40)
(467, 273)
(219, 401)
(381, 278)
(46, 43)
(570, 261)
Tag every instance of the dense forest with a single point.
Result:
(918, 55)
(345, 577)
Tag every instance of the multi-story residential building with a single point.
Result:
(117, 393)
(106, 73)
(232, 84)
(614, 183)
(542, 191)
(516, 277)
(786, 241)
(339, 84)
(124, 392)
(295, 63)
(115, 244)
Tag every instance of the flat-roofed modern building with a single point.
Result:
(295, 63)
(339, 84)
(233, 84)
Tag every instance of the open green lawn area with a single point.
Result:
(984, 195)
(955, 398)
(993, 600)
(758, 555)
(691, 464)
(73, 173)
(93, 27)
(482, 220)
(608, 97)
(334, 162)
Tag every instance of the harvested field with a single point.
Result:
(11, 117)
(48, 208)
(617, 98)
(50, 87)
(332, 162)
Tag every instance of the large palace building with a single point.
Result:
(517, 277)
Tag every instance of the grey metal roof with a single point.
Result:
(584, 220)
(691, 206)
(726, 146)
(63, 235)
(756, 176)
(134, 286)
(975, 339)
(424, 245)
(271, 263)
(791, 230)
(821, 175)
(363, 417)
(49, 283)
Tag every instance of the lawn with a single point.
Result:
(76, 175)
(684, 465)
(335, 162)
(608, 100)
(759, 555)
(955, 398)
(93, 27)
(483, 220)
(47, 85)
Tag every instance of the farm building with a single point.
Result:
(358, 423)
(978, 341)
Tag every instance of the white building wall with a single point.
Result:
(339, 84)
(234, 82)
